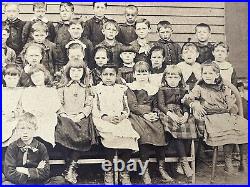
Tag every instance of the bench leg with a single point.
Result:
(193, 161)
(116, 172)
(214, 164)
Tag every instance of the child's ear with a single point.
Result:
(103, 31)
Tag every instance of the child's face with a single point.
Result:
(142, 30)
(157, 59)
(66, 13)
(165, 33)
(76, 73)
(127, 57)
(100, 9)
(108, 76)
(209, 75)
(40, 12)
(38, 78)
(101, 58)
(11, 11)
(173, 80)
(11, 81)
(75, 31)
(141, 76)
(26, 131)
(220, 54)
(110, 31)
(33, 56)
(5, 36)
(131, 15)
(39, 36)
(190, 55)
(76, 54)
(202, 34)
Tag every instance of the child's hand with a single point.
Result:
(147, 117)
(198, 109)
(27, 68)
(184, 118)
(41, 164)
(173, 116)
(154, 116)
(23, 170)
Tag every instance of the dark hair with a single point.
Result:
(6, 27)
(39, 5)
(128, 48)
(143, 20)
(75, 45)
(141, 66)
(67, 4)
(189, 44)
(222, 44)
(40, 67)
(109, 53)
(173, 69)
(132, 6)
(12, 70)
(111, 66)
(216, 69)
(164, 24)
(202, 25)
(111, 21)
(157, 48)
(106, 4)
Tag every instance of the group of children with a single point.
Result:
(81, 84)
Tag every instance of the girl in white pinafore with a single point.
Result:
(43, 102)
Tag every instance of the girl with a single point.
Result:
(75, 131)
(211, 105)
(145, 119)
(175, 117)
(110, 116)
(43, 102)
(11, 108)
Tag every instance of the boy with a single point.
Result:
(8, 54)
(203, 33)
(11, 11)
(127, 30)
(26, 160)
(126, 71)
(93, 26)
(110, 31)
(39, 10)
(172, 49)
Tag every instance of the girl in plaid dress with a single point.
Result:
(178, 124)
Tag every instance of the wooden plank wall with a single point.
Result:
(183, 15)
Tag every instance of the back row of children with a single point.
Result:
(146, 81)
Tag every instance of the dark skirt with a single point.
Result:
(150, 132)
(77, 136)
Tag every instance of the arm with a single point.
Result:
(52, 32)
(26, 32)
(234, 78)
(60, 92)
(125, 111)
(178, 50)
(161, 101)
(194, 95)
(87, 30)
(88, 105)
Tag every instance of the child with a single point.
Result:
(39, 9)
(141, 45)
(227, 72)
(8, 54)
(26, 159)
(75, 131)
(157, 57)
(145, 120)
(110, 116)
(190, 69)
(43, 102)
(179, 125)
(11, 103)
(172, 49)
(203, 33)
(110, 30)
(211, 105)
(126, 71)
(11, 11)
(101, 56)
(244, 95)
(93, 26)
(127, 30)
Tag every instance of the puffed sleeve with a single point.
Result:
(133, 104)
(161, 101)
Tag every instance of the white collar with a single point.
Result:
(150, 88)
(224, 65)
(43, 19)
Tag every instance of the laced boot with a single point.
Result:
(146, 177)
(186, 167)
(229, 168)
(243, 159)
(70, 174)
(163, 172)
(108, 177)
(125, 178)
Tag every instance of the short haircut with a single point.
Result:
(16, 4)
(75, 45)
(203, 25)
(35, 45)
(75, 21)
(222, 44)
(215, 68)
(5, 27)
(39, 5)
(111, 21)
(12, 70)
(132, 7)
(157, 48)
(164, 24)
(106, 4)
(141, 66)
(189, 45)
(39, 26)
(67, 4)
(108, 52)
(41, 67)
(173, 70)
(75, 63)
(111, 66)
(28, 118)
(128, 48)
(143, 20)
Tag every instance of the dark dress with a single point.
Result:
(169, 99)
(126, 34)
(205, 53)
(126, 73)
(140, 102)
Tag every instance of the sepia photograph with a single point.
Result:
(124, 93)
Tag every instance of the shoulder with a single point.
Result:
(181, 64)
(121, 87)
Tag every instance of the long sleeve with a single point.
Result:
(193, 95)
(126, 110)
(26, 32)
(179, 53)
(96, 110)
(88, 106)
(87, 29)
(10, 164)
(234, 78)
(52, 31)
(161, 101)
(133, 104)
(60, 92)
